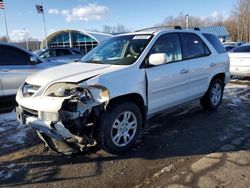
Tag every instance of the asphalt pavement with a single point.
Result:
(189, 147)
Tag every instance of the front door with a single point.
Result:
(167, 83)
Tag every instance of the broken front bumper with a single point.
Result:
(52, 133)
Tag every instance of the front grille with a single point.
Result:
(28, 89)
(29, 112)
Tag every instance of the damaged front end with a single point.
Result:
(70, 129)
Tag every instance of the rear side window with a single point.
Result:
(193, 46)
(13, 56)
(215, 42)
(242, 49)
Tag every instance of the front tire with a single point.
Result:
(213, 97)
(119, 127)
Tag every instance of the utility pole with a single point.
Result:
(40, 10)
(187, 21)
(5, 20)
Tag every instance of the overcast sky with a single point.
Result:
(23, 19)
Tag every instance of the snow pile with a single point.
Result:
(11, 130)
(236, 94)
(12, 170)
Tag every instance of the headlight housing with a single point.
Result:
(61, 90)
(100, 94)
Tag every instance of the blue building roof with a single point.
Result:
(219, 31)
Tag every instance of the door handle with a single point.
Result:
(212, 65)
(184, 71)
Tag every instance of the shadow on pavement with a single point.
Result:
(7, 104)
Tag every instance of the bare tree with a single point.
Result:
(241, 20)
(3, 39)
(115, 29)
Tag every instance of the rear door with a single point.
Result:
(14, 68)
(196, 54)
(167, 83)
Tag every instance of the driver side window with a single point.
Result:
(169, 44)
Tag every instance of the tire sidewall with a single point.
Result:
(108, 119)
(215, 81)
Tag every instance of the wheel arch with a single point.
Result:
(219, 76)
(134, 98)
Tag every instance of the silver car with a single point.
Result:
(63, 55)
(15, 65)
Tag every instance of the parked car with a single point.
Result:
(63, 55)
(229, 47)
(121, 83)
(235, 44)
(15, 65)
(240, 61)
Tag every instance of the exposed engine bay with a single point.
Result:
(71, 129)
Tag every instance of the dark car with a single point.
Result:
(15, 65)
(63, 55)
(229, 47)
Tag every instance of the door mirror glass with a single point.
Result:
(33, 60)
(157, 59)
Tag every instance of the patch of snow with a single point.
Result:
(11, 165)
(5, 175)
(235, 102)
(7, 117)
(20, 136)
(236, 93)
(164, 170)
(16, 133)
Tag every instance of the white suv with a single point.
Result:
(106, 98)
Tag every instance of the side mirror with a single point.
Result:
(157, 59)
(33, 60)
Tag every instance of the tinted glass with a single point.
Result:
(193, 46)
(61, 52)
(215, 42)
(228, 48)
(13, 56)
(170, 45)
(242, 49)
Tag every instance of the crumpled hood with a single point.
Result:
(72, 72)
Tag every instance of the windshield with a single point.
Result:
(121, 50)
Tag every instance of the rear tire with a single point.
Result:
(213, 97)
(119, 127)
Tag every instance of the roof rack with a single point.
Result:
(159, 27)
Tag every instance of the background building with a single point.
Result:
(220, 31)
(83, 40)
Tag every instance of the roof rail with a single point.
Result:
(159, 27)
(197, 29)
